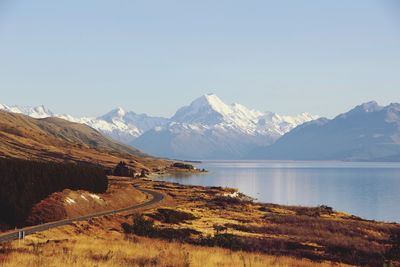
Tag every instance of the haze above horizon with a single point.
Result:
(86, 58)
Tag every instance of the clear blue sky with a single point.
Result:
(87, 57)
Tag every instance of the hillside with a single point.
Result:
(368, 132)
(54, 139)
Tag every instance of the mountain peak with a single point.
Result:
(120, 111)
(212, 101)
(370, 106)
(115, 113)
(367, 107)
(208, 109)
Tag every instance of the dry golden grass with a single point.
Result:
(314, 233)
(134, 251)
(266, 235)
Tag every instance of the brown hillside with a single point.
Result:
(54, 139)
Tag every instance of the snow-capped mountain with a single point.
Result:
(368, 132)
(210, 129)
(206, 129)
(141, 122)
(117, 124)
(34, 112)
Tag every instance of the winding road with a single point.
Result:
(21, 233)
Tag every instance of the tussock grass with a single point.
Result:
(135, 251)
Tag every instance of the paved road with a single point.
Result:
(18, 234)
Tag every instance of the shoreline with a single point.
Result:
(349, 187)
(255, 200)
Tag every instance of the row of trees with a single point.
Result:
(24, 183)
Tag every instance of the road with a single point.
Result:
(20, 233)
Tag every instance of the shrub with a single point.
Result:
(144, 227)
(181, 165)
(172, 216)
(394, 252)
(123, 170)
(224, 201)
(225, 240)
(140, 226)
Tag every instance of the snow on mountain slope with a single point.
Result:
(140, 122)
(34, 112)
(117, 124)
(207, 128)
(210, 110)
(368, 132)
(210, 129)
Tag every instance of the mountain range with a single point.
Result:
(208, 128)
(368, 132)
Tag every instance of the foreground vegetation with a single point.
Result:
(203, 226)
(97, 246)
(24, 183)
(224, 218)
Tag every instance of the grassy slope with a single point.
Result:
(55, 139)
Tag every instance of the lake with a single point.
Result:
(368, 190)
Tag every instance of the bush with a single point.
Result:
(140, 226)
(225, 240)
(394, 252)
(143, 227)
(221, 201)
(181, 165)
(172, 216)
(123, 170)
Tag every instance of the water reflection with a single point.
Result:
(369, 190)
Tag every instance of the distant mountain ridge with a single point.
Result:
(210, 129)
(368, 132)
(206, 129)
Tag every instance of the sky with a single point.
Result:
(87, 57)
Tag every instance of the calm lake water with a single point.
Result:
(368, 190)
